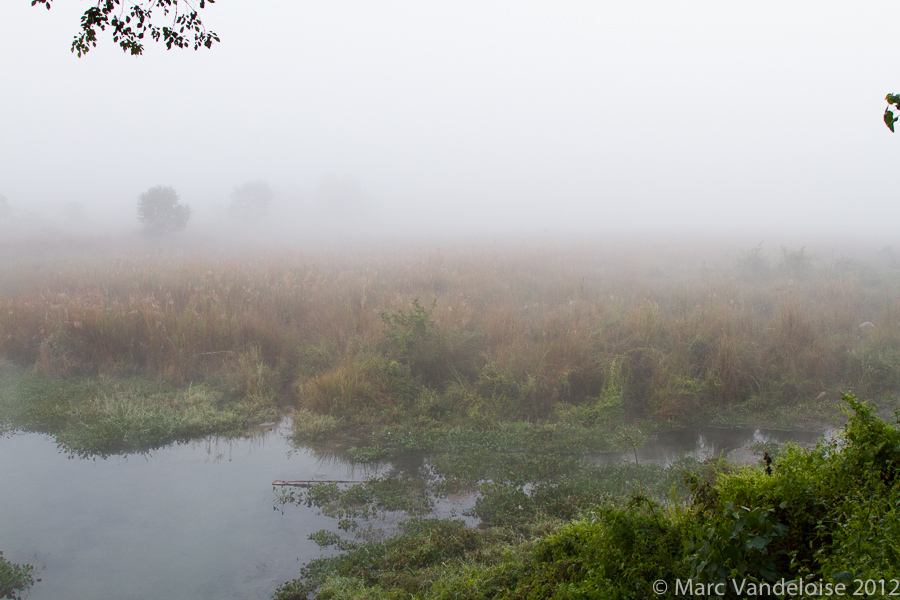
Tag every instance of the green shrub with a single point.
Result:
(15, 579)
(434, 357)
(361, 386)
(618, 553)
(824, 510)
(739, 546)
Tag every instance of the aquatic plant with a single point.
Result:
(102, 416)
(827, 514)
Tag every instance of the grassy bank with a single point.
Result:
(99, 415)
(377, 340)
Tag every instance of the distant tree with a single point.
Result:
(5, 208)
(131, 21)
(753, 264)
(797, 264)
(160, 211)
(250, 200)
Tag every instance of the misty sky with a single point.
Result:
(636, 115)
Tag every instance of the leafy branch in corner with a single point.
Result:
(893, 101)
(131, 25)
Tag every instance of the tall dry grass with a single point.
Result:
(525, 328)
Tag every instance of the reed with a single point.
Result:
(508, 331)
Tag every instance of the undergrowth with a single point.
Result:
(15, 579)
(100, 416)
(828, 514)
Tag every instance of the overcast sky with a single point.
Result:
(678, 115)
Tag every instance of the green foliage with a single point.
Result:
(893, 101)
(295, 589)
(250, 379)
(820, 508)
(395, 568)
(314, 427)
(324, 538)
(415, 340)
(738, 547)
(829, 513)
(130, 26)
(616, 553)
(506, 395)
(361, 501)
(161, 212)
(107, 416)
(15, 579)
(674, 351)
(363, 385)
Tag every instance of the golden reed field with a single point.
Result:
(513, 329)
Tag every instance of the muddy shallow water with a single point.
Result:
(196, 521)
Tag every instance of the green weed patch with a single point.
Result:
(100, 416)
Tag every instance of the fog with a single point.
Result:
(755, 119)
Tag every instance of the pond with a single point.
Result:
(189, 521)
(196, 521)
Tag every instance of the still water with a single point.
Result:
(710, 442)
(196, 521)
(189, 521)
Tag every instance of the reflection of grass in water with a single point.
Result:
(104, 416)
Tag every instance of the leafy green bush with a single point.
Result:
(825, 510)
(15, 579)
(737, 546)
(618, 553)
(434, 357)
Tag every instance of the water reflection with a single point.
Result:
(188, 521)
(707, 442)
(195, 520)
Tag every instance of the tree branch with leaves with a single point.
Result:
(893, 101)
(132, 22)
